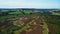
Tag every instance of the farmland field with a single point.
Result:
(29, 22)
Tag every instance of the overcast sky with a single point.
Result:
(29, 3)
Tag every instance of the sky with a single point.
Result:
(30, 4)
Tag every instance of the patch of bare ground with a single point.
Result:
(51, 29)
(23, 20)
(34, 29)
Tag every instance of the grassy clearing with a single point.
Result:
(17, 12)
(55, 13)
(45, 28)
